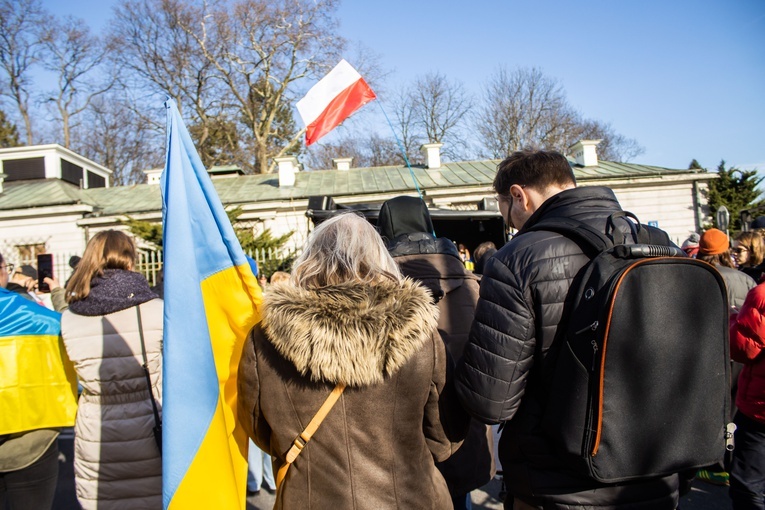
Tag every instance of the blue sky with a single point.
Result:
(685, 78)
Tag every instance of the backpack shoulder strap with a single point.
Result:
(588, 238)
(308, 432)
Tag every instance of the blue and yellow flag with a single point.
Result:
(212, 300)
(38, 385)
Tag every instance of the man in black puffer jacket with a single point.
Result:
(502, 377)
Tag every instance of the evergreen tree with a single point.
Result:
(146, 230)
(695, 165)
(217, 142)
(735, 189)
(9, 137)
(152, 234)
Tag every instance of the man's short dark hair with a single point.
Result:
(535, 169)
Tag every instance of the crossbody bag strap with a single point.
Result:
(310, 430)
(157, 419)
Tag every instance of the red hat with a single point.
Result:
(713, 242)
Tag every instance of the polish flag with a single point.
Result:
(332, 100)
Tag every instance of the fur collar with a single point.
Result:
(353, 334)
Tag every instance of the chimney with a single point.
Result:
(432, 152)
(342, 163)
(153, 175)
(584, 152)
(287, 170)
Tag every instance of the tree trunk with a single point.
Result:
(261, 158)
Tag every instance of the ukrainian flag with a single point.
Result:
(38, 385)
(212, 300)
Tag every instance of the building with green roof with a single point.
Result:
(55, 210)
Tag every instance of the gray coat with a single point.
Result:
(116, 461)
(737, 283)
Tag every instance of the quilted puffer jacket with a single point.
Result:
(117, 463)
(747, 344)
(504, 367)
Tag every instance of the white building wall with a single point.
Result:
(281, 222)
(59, 233)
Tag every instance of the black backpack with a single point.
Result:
(638, 381)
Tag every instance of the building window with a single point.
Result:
(27, 253)
(71, 173)
(21, 169)
(96, 181)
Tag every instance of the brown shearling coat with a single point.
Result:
(378, 445)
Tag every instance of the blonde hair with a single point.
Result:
(345, 248)
(753, 242)
(279, 276)
(109, 249)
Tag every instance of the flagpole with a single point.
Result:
(401, 148)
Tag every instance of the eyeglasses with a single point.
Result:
(9, 267)
(739, 250)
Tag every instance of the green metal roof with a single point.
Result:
(265, 187)
(135, 198)
(40, 193)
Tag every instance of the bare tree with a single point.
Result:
(259, 49)
(382, 151)
(409, 134)
(75, 56)
(367, 151)
(232, 62)
(523, 109)
(21, 23)
(439, 107)
(119, 140)
(613, 146)
(155, 56)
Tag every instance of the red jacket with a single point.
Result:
(747, 346)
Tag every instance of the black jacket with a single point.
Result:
(19, 289)
(435, 263)
(502, 375)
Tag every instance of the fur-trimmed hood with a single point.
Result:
(353, 334)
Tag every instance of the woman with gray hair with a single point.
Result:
(351, 327)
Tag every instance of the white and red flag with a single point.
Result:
(332, 100)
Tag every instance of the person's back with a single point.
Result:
(112, 322)
(350, 319)
(37, 397)
(506, 368)
(405, 225)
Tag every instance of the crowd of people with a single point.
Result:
(381, 360)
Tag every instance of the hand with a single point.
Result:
(52, 283)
